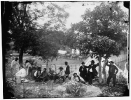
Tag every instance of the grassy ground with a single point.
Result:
(44, 90)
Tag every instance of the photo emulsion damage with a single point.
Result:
(65, 49)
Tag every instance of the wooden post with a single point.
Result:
(100, 72)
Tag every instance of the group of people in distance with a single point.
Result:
(87, 73)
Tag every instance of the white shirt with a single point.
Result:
(28, 65)
(76, 79)
(21, 73)
(13, 63)
(61, 73)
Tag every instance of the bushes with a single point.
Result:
(8, 90)
(122, 79)
(76, 89)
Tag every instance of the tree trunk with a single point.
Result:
(21, 56)
(100, 73)
(104, 71)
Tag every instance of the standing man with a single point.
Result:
(29, 68)
(83, 71)
(14, 66)
(113, 70)
(67, 71)
(93, 67)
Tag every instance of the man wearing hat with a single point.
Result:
(15, 66)
(113, 70)
(60, 74)
(67, 71)
(83, 71)
(93, 67)
(92, 72)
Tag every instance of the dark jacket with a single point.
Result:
(83, 70)
(112, 69)
(67, 70)
(93, 67)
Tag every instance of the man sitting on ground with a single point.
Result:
(21, 73)
(51, 74)
(44, 76)
(77, 78)
(37, 75)
(60, 75)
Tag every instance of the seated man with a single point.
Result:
(37, 75)
(60, 75)
(44, 76)
(51, 74)
(77, 78)
(21, 73)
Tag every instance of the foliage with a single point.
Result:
(122, 79)
(102, 45)
(76, 89)
(21, 28)
(55, 15)
(70, 39)
(106, 21)
(8, 90)
(48, 50)
(25, 30)
(102, 31)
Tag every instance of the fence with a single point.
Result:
(120, 61)
(73, 67)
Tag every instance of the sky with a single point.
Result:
(75, 10)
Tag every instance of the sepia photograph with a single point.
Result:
(65, 49)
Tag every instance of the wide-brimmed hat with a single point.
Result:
(83, 63)
(66, 62)
(60, 67)
(111, 62)
(16, 59)
(92, 61)
(74, 73)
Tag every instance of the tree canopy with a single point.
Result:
(105, 25)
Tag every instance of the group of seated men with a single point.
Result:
(50, 75)
(35, 73)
